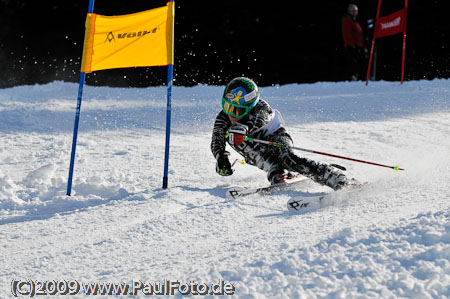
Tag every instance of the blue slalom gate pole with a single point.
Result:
(168, 116)
(77, 118)
(75, 133)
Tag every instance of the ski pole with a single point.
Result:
(278, 144)
(242, 162)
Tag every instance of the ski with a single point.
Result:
(236, 192)
(306, 202)
(310, 201)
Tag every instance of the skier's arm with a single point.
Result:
(218, 141)
(218, 144)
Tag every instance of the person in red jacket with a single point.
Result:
(355, 50)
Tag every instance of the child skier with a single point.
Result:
(244, 113)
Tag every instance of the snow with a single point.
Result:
(390, 240)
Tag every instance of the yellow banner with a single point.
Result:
(141, 39)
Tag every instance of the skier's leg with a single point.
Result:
(262, 157)
(321, 173)
(275, 174)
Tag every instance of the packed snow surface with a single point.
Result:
(389, 240)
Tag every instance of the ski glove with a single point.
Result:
(237, 133)
(223, 166)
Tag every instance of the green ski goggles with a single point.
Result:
(236, 110)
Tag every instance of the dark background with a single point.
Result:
(273, 42)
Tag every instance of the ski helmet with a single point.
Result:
(240, 96)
